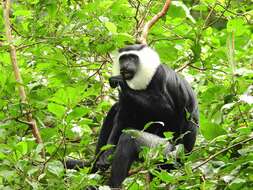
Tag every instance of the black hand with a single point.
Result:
(103, 162)
(115, 81)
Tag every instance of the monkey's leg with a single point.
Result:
(127, 151)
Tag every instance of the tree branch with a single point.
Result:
(149, 24)
(31, 122)
(222, 151)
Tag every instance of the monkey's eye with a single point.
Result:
(134, 58)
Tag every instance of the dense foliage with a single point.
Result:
(65, 49)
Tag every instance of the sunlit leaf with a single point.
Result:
(56, 109)
(56, 168)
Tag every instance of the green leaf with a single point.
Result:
(6, 174)
(111, 27)
(55, 167)
(41, 176)
(39, 148)
(107, 147)
(237, 183)
(236, 26)
(149, 124)
(134, 186)
(200, 7)
(22, 147)
(33, 171)
(60, 97)
(166, 177)
(52, 8)
(20, 12)
(78, 112)
(168, 135)
(180, 10)
(209, 129)
(188, 168)
(69, 96)
(244, 130)
(56, 109)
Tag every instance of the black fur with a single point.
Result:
(136, 47)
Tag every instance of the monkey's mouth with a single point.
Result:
(127, 75)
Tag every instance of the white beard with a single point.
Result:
(149, 61)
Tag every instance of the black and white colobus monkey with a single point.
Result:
(149, 92)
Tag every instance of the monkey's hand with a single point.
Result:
(103, 162)
(116, 81)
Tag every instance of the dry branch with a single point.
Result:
(149, 24)
(31, 122)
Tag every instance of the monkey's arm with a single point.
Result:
(103, 162)
(118, 125)
(107, 127)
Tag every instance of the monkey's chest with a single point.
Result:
(139, 117)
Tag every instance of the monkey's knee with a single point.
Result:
(125, 140)
(126, 146)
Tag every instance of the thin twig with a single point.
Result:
(137, 7)
(243, 14)
(146, 12)
(183, 67)
(97, 70)
(208, 16)
(29, 45)
(135, 171)
(15, 30)
(221, 15)
(222, 151)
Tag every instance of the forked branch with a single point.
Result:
(30, 121)
(149, 24)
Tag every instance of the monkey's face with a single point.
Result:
(129, 64)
